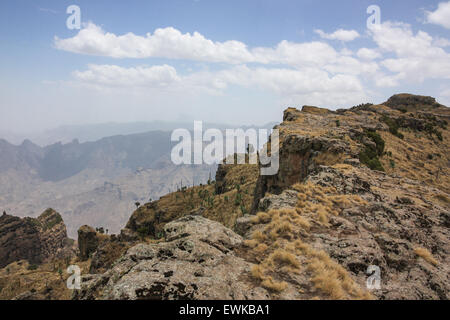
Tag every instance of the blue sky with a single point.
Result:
(249, 60)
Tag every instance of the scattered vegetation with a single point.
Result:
(44, 279)
(392, 163)
(235, 200)
(426, 255)
(393, 126)
(32, 267)
(369, 154)
(278, 244)
(362, 106)
(427, 123)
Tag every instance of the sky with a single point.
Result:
(235, 62)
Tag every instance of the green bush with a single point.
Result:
(32, 267)
(238, 199)
(393, 126)
(375, 137)
(369, 155)
(392, 163)
(143, 231)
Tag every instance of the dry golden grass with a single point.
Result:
(419, 158)
(320, 202)
(223, 208)
(273, 285)
(426, 255)
(267, 282)
(329, 277)
(261, 217)
(282, 257)
(329, 158)
(443, 198)
(278, 247)
(17, 278)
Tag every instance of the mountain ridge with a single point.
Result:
(359, 189)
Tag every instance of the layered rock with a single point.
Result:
(33, 239)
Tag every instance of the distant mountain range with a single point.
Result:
(95, 182)
(94, 132)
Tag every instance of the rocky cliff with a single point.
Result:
(361, 194)
(359, 209)
(33, 239)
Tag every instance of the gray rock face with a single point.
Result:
(197, 261)
(288, 198)
(384, 232)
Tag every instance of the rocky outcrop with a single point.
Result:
(88, 241)
(33, 239)
(221, 173)
(234, 183)
(313, 136)
(385, 230)
(145, 221)
(196, 261)
(411, 102)
(107, 252)
(298, 154)
(356, 189)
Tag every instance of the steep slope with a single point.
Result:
(223, 200)
(357, 192)
(357, 197)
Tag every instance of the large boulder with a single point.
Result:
(197, 260)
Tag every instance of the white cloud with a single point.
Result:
(314, 71)
(441, 16)
(164, 43)
(368, 54)
(441, 42)
(305, 54)
(383, 80)
(112, 75)
(350, 65)
(172, 44)
(291, 82)
(416, 57)
(285, 83)
(340, 34)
